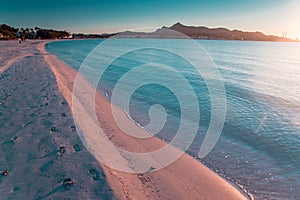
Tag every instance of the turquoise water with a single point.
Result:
(259, 148)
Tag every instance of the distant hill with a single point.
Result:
(202, 32)
(178, 30)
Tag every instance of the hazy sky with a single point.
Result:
(98, 16)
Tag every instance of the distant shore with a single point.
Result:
(176, 31)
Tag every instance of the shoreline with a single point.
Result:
(239, 187)
(192, 38)
(189, 171)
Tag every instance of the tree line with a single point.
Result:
(8, 33)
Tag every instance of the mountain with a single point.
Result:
(179, 30)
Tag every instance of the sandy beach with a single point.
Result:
(40, 147)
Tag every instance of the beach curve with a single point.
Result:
(186, 178)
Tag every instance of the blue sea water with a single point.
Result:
(259, 148)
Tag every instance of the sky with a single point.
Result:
(108, 16)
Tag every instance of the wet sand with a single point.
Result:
(184, 179)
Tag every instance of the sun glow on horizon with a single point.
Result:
(271, 17)
(293, 22)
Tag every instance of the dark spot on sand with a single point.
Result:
(68, 183)
(63, 103)
(49, 114)
(15, 189)
(73, 128)
(53, 129)
(77, 148)
(94, 174)
(13, 139)
(144, 179)
(63, 114)
(46, 104)
(62, 150)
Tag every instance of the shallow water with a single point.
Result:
(259, 148)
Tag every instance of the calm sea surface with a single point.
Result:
(259, 148)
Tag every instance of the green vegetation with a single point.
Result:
(9, 33)
(51, 34)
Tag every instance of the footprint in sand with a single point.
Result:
(53, 129)
(13, 139)
(62, 150)
(73, 128)
(77, 148)
(94, 174)
(68, 183)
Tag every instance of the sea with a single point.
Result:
(258, 150)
